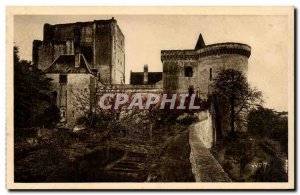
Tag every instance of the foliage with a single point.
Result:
(240, 149)
(233, 90)
(49, 117)
(273, 172)
(31, 90)
(267, 123)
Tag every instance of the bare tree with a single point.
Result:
(232, 88)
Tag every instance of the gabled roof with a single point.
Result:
(200, 43)
(66, 64)
(137, 78)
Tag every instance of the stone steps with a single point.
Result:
(132, 164)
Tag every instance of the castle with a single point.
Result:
(101, 44)
(87, 58)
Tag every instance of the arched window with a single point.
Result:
(188, 71)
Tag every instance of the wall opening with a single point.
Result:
(191, 89)
(210, 74)
(87, 52)
(188, 71)
(63, 78)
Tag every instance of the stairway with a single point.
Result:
(132, 167)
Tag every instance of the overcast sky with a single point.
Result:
(146, 36)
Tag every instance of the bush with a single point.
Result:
(274, 172)
(49, 118)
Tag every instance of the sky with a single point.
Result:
(146, 36)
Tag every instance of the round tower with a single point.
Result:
(196, 69)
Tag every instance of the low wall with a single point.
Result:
(204, 129)
(204, 166)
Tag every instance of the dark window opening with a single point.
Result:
(188, 71)
(87, 52)
(210, 74)
(63, 78)
(191, 89)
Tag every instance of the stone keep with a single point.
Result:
(101, 42)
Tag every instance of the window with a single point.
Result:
(210, 74)
(63, 114)
(191, 89)
(63, 78)
(188, 71)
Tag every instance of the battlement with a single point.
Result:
(208, 50)
(178, 55)
(225, 48)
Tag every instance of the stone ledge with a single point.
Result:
(204, 166)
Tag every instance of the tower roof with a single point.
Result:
(200, 43)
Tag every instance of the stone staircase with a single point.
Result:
(132, 167)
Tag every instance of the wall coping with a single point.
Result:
(204, 166)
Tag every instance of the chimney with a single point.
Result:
(77, 60)
(145, 82)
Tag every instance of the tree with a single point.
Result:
(232, 88)
(241, 150)
(268, 123)
(32, 93)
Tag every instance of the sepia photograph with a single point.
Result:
(150, 98)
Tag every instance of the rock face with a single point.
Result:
(204, 166)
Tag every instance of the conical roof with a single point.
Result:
(200, 43)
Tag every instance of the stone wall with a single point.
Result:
(204, 129)
(118, 65)
(80, 95)
(204, 166)
(101, 42)
(205, 64)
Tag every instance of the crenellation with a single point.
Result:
(205, 58)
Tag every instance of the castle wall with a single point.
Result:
(101, 42)
(205, 64)
(118, 65)
(103, 51)
(79, 93)
(218, 63)
(204, 129)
